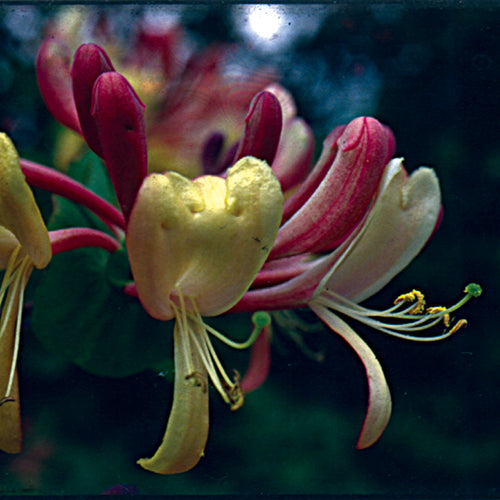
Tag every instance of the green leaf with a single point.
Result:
(81, 317)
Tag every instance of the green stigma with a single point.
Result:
(473, 289)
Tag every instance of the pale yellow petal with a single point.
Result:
(187, 427)
(208, 237)
(19, 212)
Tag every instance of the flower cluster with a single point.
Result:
(261, 230)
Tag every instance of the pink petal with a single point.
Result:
(379, 399)
(54, 81)
(343, 195)
(90, 61)
(119, 117)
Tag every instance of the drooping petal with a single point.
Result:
(19, 212)
(119, 116)
(262, 128)
(89, 63)
(379, 399)
(343, 195)
(399, 224)
(205, 238)
(53, 74)
(187, 427)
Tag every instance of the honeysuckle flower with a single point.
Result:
(24, 245)
(195, 247)
(196, 100)
(398, 223)
(345, 230)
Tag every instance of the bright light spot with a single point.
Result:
(275, 28)
(265, 21)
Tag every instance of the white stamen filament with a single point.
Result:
(409, 322)
(192, 325)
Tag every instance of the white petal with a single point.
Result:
(379, 400)
(395, 230)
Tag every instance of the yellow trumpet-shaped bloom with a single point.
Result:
(195, 247)
(24, 244)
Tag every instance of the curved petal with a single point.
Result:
(343, 195)
(397, 228)
(19, 212)
(379, 399)
(187, 428)
(204, 239)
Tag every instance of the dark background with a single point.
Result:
(429, 71)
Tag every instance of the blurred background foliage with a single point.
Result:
(429, 72)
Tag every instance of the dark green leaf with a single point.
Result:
(81, 317)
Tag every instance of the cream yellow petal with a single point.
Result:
(397, 227)
(206, 238)
(19, 212)
(187, 427)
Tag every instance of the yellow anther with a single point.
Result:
(437, 310)
(234, 393)
(459, 324)
(413, 296)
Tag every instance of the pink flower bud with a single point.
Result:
(119, 117)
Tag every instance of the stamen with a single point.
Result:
(439, 309)
(191, 324)
(413, 296)
(459, 324)
(408, 320)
